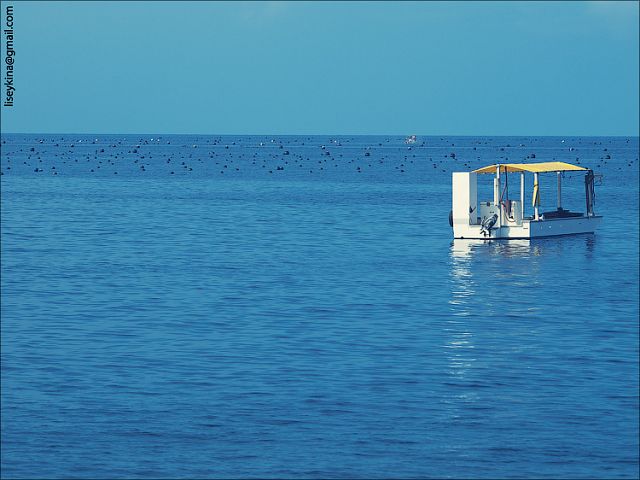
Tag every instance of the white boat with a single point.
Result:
(411, 139)
(504, 218)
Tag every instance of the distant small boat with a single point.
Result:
(410, 139)
(505, 219)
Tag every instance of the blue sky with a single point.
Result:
(432, 68)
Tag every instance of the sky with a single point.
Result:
(428, 68)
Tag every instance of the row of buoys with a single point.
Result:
(145, 157)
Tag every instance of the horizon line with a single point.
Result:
(637, 135)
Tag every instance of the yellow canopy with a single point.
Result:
(541, 167)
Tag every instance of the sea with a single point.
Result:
(207, 306)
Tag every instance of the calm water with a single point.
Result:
(306, 314)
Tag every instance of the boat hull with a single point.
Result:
(541, 228)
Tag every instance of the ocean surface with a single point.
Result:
(295, 307)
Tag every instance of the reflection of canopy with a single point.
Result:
(541, 167)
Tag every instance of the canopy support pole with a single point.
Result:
(536, 190)
(522, 192)
(590, 192)
(559, 191)
(496, 194)
(496, 187)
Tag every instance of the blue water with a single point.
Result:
(311, 321)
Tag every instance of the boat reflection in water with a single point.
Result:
(504, 273)
(485, 274)
(469, 331)
(459, 331)
(465, 249)
(494, 300)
